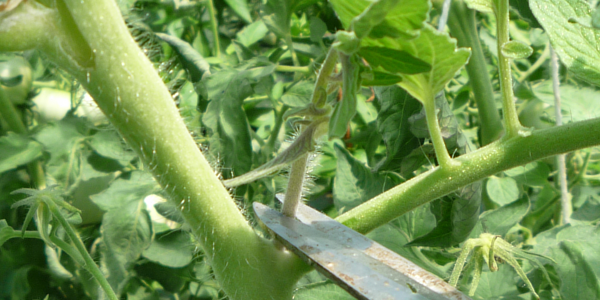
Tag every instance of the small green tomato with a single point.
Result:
(16, 79)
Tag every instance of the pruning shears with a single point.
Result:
(364, 268)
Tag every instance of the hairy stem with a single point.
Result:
(565, 198)
(90, 265)
(511, 118)
(293, 194)
(105, 59)
(463, 26)
(498, 156)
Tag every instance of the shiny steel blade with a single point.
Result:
(361, 266)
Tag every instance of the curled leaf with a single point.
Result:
(346, 42)
(516, 50)
(9, 5)
(486, 6)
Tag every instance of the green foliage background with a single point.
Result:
(236, 102)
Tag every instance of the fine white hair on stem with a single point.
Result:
(565, 198)
(444, 15)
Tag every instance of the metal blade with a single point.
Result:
(361, 266)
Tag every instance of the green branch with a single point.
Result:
(215, 28)
(463, 26)
(496, 157)
(435, 132)
(511, 118)
(90, 265)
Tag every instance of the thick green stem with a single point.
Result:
(214, 27)
(90, 265)
(498, 156)
(511, 118)
(105, 59)
(463, 26)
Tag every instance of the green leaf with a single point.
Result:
(171, 249)
(395, 107)
(587, 238)
(534, 174)
(578, 103)
(381, 78)
(345, 110)
(325, 290)
(240, 7)
(516, 50)
(110, 144)
(596, 18)
(252, 33)
(372, 16)
(439, 51)
(191, 59)
(500, 220)
(170, 279)
(299, 94)
(578, 280)
(60, 137)
(127, 230)
(54, 264)
(6, 232)
(498, 285)
(396, 235)
(588, 212)
(486, 6)
(123, 191)
(277, 14)
(17, 150)
(169, 211)
(354, 182)
(457, 216)
(404, 20)
(523, 9)
(502, 190)
(393, 61)
(115, 266)
(318, 28)
(225, 118)
(579, 52)
(454, 138)
(346, 42)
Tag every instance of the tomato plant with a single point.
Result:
(401, 119)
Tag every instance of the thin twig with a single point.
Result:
(565, 199)
(444, 16)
